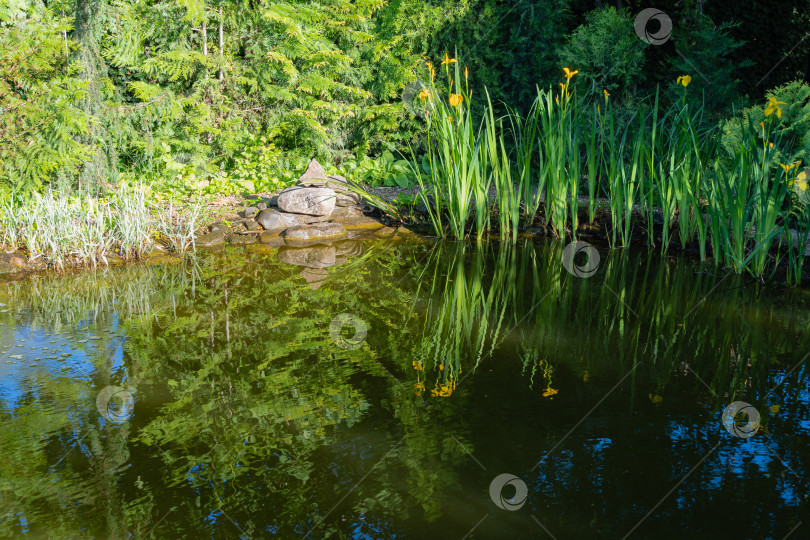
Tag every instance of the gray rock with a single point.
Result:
(251, 224)
(362, 223)
(313, 201)
(313, 234)
(242, 239)
(310, 257)
(261, 206)
(219, 226)
(212, 239)
(272, 238)
(348, 198)
(250, 211)
(346, 212)
(314, 175)
(272, 219)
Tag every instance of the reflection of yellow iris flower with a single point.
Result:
(444, 390)
(447, 60)
(684, 80)
(548, 392)
(569, 73)
(655, 398)
(455, 100)
(417, 365)
(773, 105)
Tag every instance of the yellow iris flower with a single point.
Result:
(773, 105)
(569, 73)
(447, 60)
(606, 94)
(455, 100)
(684, 80)
(424, 94)
(787, 168)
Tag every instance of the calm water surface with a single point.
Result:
(379, 389)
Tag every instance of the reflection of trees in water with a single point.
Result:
(247, 411)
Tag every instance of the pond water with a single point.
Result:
(404, 388)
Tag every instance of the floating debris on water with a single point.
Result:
(16, 356)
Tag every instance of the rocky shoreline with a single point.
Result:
(318, 209)
(305, 224)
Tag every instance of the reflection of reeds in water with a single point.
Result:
(467, 308)
(659, 318)
(57, 302)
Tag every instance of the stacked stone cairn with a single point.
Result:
(319, 209)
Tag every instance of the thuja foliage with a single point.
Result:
(40, 117)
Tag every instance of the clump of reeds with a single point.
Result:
(732, 198)
(58, 228)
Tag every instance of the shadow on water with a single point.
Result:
(376, 389)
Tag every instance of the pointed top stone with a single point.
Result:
(313, 173)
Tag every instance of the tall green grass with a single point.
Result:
(459, 173)
(667, 169)
(57, 228)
